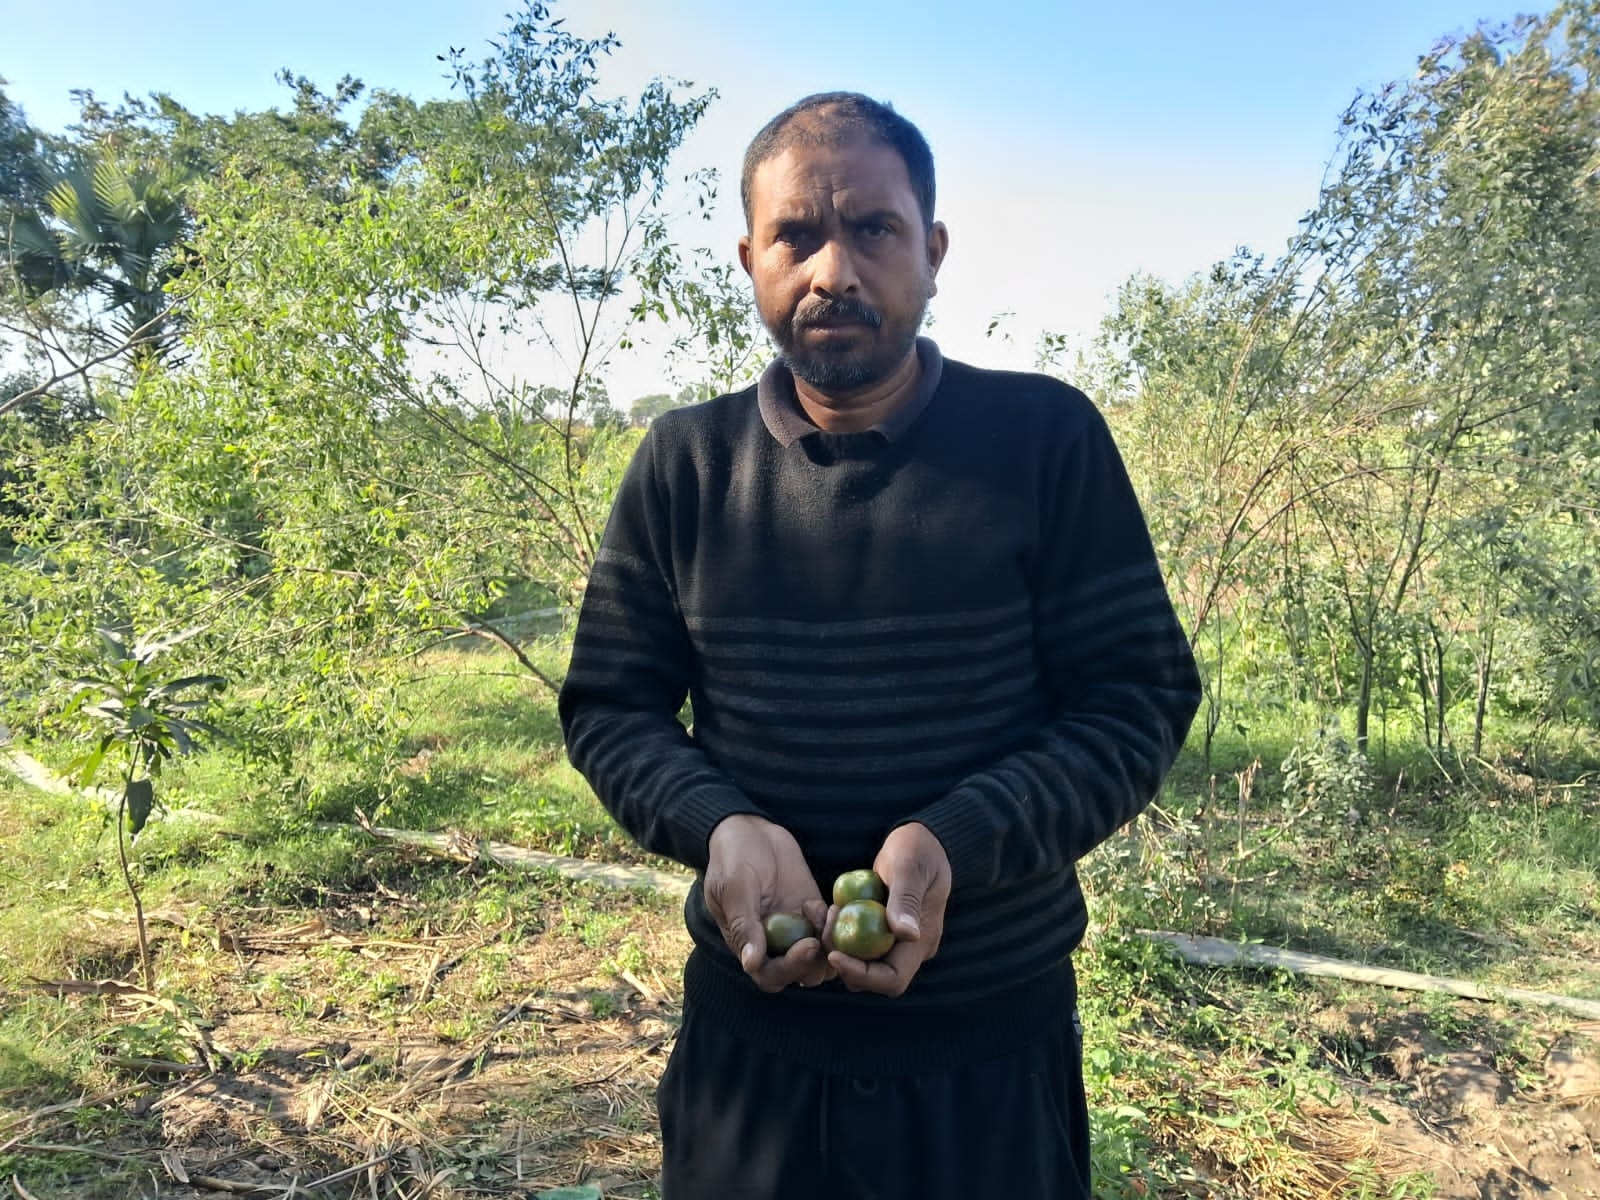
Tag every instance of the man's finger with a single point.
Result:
(816, 911)
(888, 976)
(799, 965)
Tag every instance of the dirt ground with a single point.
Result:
(1485, 1134)
(500, 1051)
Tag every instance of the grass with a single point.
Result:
(327, 1001)
(1479, 870)
(484, 756)
(376, 1004)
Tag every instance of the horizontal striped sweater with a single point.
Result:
(958, 621)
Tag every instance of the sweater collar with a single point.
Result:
(787, 421)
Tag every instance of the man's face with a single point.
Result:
(840, 261)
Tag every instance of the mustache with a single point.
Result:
(844, 309)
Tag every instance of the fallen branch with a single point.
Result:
(347, 1172)
(1215, 952)
(34, 773)
(212, 1183)
(605, 874)
(612, 875)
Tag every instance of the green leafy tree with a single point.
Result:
(647, 408)
(1337, 445)
(139, 718)
(721, 338)
(1229, 392)
(1464, 214)
(21, 153)
(390, 409)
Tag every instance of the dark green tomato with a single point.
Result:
(859, 885)
(784, 930)
(861, 930)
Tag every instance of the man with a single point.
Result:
(916, 610)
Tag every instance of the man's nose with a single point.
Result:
(833, 270)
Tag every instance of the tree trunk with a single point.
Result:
(1369, 654)
(1424, 692)
(146, 968)
(1485, 668)
(1442, 693)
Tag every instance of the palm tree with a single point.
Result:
(112, 229)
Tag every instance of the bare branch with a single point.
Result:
(142, 336)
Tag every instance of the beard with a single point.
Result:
(873, 354)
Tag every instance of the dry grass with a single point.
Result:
(448, 1031)
(384, 1046)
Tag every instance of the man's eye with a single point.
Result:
(873, 229)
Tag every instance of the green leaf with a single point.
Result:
(189, 681)
(139, 795)
(116, 649)
(82, 769)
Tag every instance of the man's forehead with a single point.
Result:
(860, 171)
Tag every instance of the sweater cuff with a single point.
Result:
(967, 834)
(700, 811)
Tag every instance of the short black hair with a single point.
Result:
(844, 115)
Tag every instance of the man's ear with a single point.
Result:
(744, 252)
(938, 247)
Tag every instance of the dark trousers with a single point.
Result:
(739, 1124)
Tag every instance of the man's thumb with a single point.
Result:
(749, 942)
(905, 915)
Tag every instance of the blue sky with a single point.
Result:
(1077, 142)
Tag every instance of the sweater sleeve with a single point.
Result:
(1121, 675)
(630, 672)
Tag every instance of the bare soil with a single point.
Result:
(1484, 1130)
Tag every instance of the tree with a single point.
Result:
(1225, 390)
(142, 717)
(359, 452)
(1465, 213)
(114, 231)
(1337, 445)
(21, 152)
(647, 408)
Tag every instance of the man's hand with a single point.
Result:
(756, 869)
(917, 870)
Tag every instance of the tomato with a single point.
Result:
(861, 930)
(784, 930)
(859, 885)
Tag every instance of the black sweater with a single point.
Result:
(959, 621)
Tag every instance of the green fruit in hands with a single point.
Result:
(861, 930)
(784, 930)
(859, 885)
